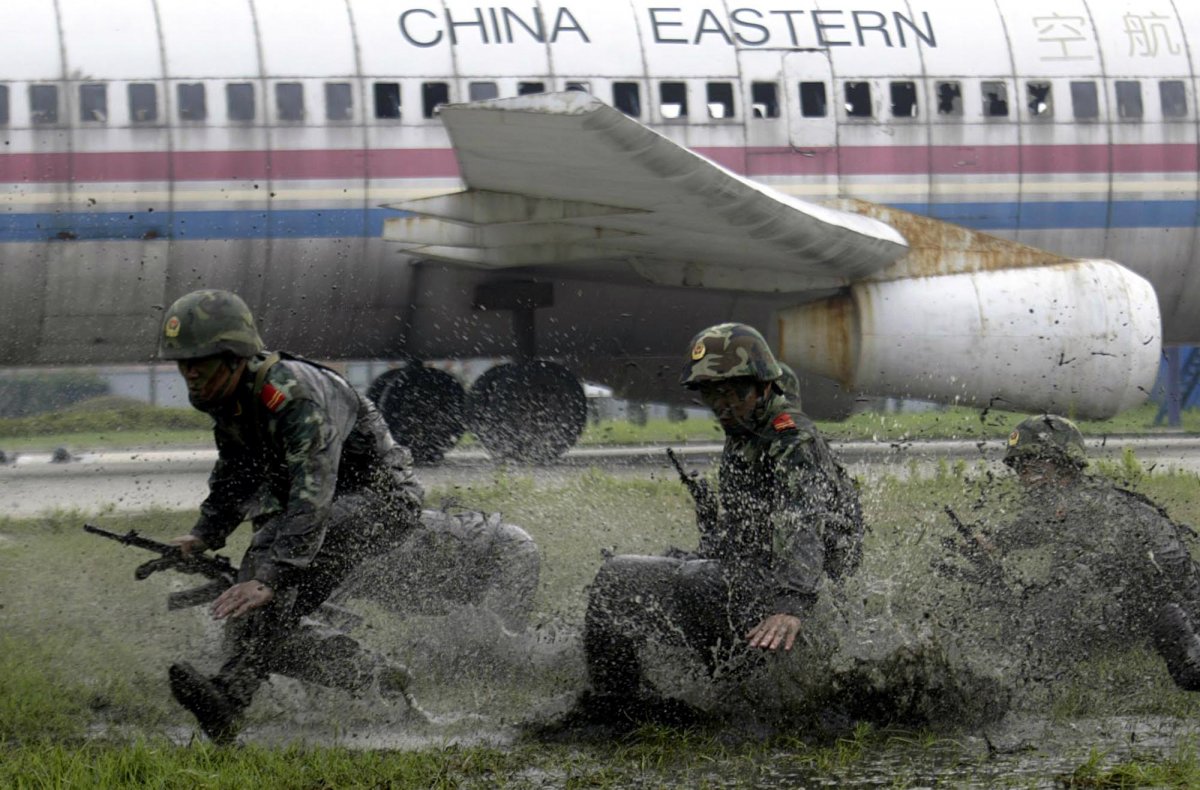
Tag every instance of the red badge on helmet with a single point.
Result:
(272, 397)
(784, 422)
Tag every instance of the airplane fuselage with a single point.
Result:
(152, 147)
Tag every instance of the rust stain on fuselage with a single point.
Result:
(938, 248)
(823, 337)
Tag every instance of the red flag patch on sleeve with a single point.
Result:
(272, 397)
(784, 422)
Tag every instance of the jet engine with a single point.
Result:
(1080, 338)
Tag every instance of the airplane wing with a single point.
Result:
(557, 178)
(920, 307)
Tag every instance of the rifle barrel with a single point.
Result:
(132, 538)
(213, 566)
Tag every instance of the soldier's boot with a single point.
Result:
(329, 657)
(1176, 641)
(218, 715)
(391, 682)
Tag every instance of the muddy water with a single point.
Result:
(482, 689)
(1022, 751)
(1025, 750)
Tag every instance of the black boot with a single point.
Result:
(217, 714)
(1176, 641)
(600, 716)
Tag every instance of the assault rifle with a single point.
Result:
(702, 494)
(987, 568)
(216, 567)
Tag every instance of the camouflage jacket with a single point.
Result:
(1090, 545)
(790, 515)
(294, 440)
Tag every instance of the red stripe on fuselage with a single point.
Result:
(342, 164)
(324, 164)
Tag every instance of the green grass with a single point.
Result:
(108, 423)
(958, 422)
(693, 429)
(652, 758)
(84, 703)
(1178, 770)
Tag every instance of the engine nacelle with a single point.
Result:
(1081, 338)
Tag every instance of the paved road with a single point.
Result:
(175, 479)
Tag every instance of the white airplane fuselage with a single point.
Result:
(151, 147)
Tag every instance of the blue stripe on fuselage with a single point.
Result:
(353, 223)
(194, 225)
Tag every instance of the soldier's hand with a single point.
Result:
(983, 542)
(188, 544)
(241, 599)
(778, 630)
(976, 548)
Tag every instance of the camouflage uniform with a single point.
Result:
(1095, 566)
(785, 520)
(1092, 565)
(313, 464)
(453, 560)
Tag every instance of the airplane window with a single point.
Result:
(93, 103)
(1129, 99)
(858, 100)
(434, 95)
(192, 106)
(583, 87)
(525, 88)
(995, 99)
(813, 100)
(3, 105)
(627, 98)
(387, 100)
(949, 99)
(1039, 100)
(1174, 98)
(478, 91)
(673, 99)
(904, 99)
(339, 101)
(720, 100)
(765, 98)
(43, 103)
(143, 102)
(1085, 101)
(289, 101)
(239, 101)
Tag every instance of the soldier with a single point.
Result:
(1092, 564)
(313, 464)
(785, 520)
(788, 383)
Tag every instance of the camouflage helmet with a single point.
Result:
(728, 351)
(203, 323)
(1049, 437)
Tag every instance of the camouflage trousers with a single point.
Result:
(843, 662)
(277, 638)
(638, 601)
(454, 560)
